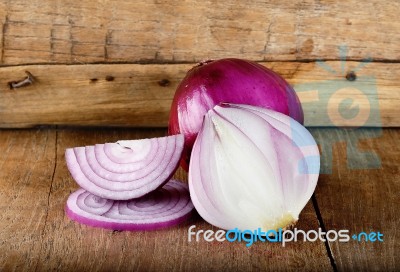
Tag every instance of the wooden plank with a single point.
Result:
(141, 95)
(363, 200)
(41, 31)
(69, 246)
(27, 163)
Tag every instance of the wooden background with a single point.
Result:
(119, 62)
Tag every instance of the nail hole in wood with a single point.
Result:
(110, 78)
(164, 82)
(351, 76)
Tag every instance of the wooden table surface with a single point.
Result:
(35, 234)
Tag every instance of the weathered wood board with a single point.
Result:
(362, 200)
(45, 31)
(141, 95)
(27, 164)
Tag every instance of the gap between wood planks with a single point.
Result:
(172, 62)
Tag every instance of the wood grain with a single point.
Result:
(27, 163)
(70, 246)
(362, 200)
(35, 233)
(141, 95)
(44, 31)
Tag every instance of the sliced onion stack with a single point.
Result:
(162, 208)
(125, 169)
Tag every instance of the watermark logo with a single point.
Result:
(280, 236)
(349, 104)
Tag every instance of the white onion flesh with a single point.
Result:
(252, 168)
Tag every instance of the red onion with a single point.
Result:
(126, 169)
(227, 80)
(252, 168)
(167, 206)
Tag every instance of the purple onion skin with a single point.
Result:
(231, 81)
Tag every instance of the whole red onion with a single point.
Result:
(231, 81)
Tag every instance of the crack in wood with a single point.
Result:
(71, 39)
(48, 195)
(294, 71)
(267, 38)
(4, 30)
(52, 39)
(107, 42)
(323, 228)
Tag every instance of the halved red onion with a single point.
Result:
(125, 169)
(165, 207)
(252, 168)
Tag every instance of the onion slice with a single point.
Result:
(125, 169)
(252, 168)
(165, 207)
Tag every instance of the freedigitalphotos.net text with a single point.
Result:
(280, 236)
